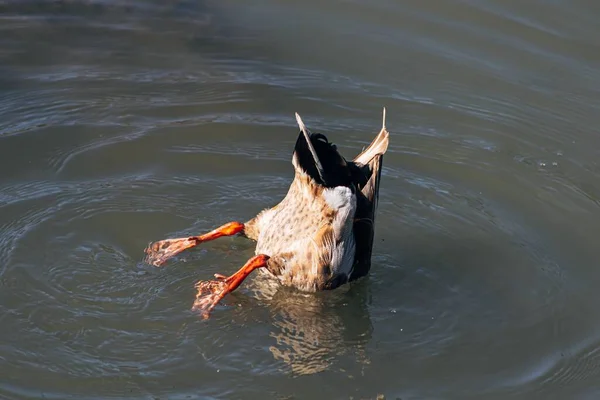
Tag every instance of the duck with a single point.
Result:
(318, 237)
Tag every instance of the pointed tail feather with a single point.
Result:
(315, 156)
(378, 146)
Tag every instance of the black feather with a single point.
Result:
(336, 171)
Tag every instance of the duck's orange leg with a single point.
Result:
(211, 292)
(161, 251)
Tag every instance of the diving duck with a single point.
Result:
(320, 236)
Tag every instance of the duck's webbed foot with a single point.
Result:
(211, 292)
(158, 253)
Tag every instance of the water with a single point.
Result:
(132, 121)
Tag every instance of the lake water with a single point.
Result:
(125, 122)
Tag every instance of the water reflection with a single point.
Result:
(313, 331)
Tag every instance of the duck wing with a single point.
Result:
(366, 173)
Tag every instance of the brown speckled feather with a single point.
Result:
(297, 241)
(320, 237)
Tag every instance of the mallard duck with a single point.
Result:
(320, 236)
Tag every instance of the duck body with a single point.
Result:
(318, 237)
(313, 247)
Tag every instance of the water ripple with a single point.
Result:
(128, 122)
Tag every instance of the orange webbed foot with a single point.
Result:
(211, 292)
(208, 296)
(158, 253)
